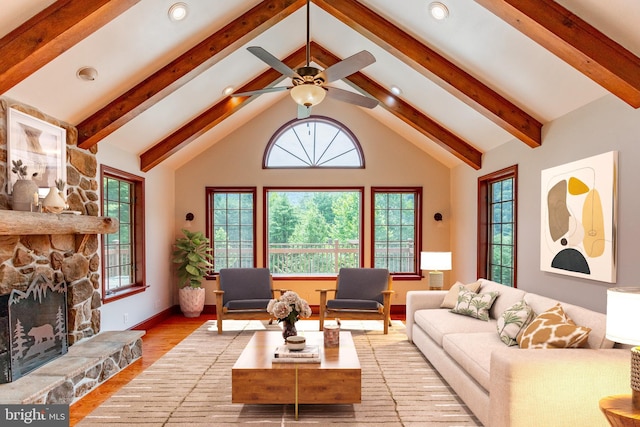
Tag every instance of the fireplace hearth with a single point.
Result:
(33, 327)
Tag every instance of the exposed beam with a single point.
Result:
(183, 69)
(576, 42)
(433, 65)
(405, 112)
(50, 33)
(214, 115)
(223, 109)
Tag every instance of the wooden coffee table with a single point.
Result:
(335, 380)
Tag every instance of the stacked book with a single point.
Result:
(309, 354)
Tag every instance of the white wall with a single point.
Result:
(605, 125)
(159, 209)
(390, 161)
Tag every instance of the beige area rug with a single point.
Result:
(191, 386)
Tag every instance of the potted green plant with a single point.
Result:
(193, 255)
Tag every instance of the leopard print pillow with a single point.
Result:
(553, 329)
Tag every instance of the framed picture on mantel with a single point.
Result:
(41, 146)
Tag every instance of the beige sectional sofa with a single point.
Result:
(510, 386)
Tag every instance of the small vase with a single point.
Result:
(288, 329)
(53, 202)
(24, 194)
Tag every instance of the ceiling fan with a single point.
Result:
(309, 83)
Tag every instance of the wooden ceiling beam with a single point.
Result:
(214, 115)
(447, 75)
(50, 33)
(405, 112)
(576, 42)
(183, 69)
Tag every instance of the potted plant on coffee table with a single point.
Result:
(193, 255)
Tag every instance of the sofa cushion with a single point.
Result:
(513, 321)
(596, 321)
(474, 305)
(473, 353)
(508, 296)
(553, 329)
(451, 298)
(438, 322)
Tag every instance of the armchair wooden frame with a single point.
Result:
(383, 313)
(242, 314)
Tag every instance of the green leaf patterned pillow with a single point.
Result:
(513, 320)
(474, 305)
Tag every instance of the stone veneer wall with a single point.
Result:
(72, 258)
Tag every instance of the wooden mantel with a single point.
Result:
(18, 223)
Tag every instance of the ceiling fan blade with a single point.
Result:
(272, 61)
(261, 91)
(303, 112)
(348, 66)
(351, 97)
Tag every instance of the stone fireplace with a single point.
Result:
(62, 251)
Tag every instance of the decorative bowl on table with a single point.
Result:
(296, 343)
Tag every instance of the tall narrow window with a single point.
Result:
(497, 224)
(231, 218)
(123, 251)
(396, 229)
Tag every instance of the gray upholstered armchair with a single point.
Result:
(360, 293)
(243, 293)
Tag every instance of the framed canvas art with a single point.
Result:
(578, 218)
(40, 145)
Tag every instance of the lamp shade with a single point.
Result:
(435, 260)
(623, 315)
(307, 95)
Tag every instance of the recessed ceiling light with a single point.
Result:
(396, 90)
(438, 10)
(178, 11)
(227, 90)
(87, 74)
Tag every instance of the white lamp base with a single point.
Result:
(436, 279)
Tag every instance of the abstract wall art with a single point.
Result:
(578, 218)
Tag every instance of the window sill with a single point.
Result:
(124, 293)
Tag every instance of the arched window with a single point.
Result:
(314, 142)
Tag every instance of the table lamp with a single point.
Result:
(435, 261)
(623, 326)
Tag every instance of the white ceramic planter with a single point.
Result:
(191, 301)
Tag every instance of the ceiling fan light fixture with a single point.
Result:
(438, 10)
(178, 11)
(227, 90)
(396, 90)
(307, 95)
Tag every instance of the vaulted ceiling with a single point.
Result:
(493, 71)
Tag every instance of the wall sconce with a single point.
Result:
(188, 219)
(437, 216)
(435, 261)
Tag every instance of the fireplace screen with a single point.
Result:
(33, 327)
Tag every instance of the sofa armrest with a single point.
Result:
(419, 300)
(559, 387)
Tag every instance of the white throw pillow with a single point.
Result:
(475, 305)
(513, 321)
(451, 298)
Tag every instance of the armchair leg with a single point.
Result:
(323, 308)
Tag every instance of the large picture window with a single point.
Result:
(497, 224)
(396, 229)
(231, 227)
(123, 251)
(312, 232)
